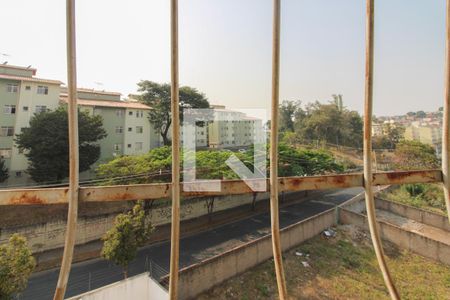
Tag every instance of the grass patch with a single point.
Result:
(343, 267)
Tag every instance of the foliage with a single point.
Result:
(151, 166)
(157, 96)
(414, 155)
(211, 164)
(392, 135)
(330, 123)
(3, 171)
(287, 112)
(46, 145)
(16, 266)
(305, 162)
(425, 196)
(131, 230)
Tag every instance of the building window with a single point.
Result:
(9, 109)
(117, 147)
(130, 129)
(119, 129)
(25, 108)
(5, 153)
(120, 113)
(129, 145)
(42, 90)
(138, 146)
(27, 88)
(7, 131)
(130, 113)
(139, 114)
(139, 129)
(40, 108)
(18, 174)
(12, 88)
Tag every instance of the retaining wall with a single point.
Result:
(202, 276)
(411, 241)
(413, 213)
(50, 235)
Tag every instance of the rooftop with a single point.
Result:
(5, 65)
(107, 103)
(30, 79)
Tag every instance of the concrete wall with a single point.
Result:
(50, 235)
(413, 213)
(137, 288)
(202, 276)
(411, 241)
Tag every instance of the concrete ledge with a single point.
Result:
(414, 213)
(414, 242)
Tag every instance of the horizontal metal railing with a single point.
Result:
(229, 187)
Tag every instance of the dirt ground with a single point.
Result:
(340, 267)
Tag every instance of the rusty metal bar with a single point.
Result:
(175, 233)
(274, 211)
(72, 193)
(229, 187)
(446, 118)
(367, 148)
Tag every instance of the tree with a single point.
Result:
(3, 171)
(16, 266)
(287, 113)
(131, 230)
(46, 145)
(148, 167)
(157, 96)
(331, 123)
(414, 155)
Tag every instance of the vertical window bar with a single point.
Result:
(175, 233)
(73, 153)
(370, 205)
(446, 118)
(274, 211)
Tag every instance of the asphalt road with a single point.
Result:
(95, 273)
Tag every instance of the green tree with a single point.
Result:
(148, 167)
(3, 171)
(157, 96)
(414, 155)
(16, 266)
(287, 112)
(131, 230)
(46, 145)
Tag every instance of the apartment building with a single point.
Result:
(232, 128)
(430, 134)
(128, 130)
(21, 96)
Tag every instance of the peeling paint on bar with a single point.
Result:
(229, 187)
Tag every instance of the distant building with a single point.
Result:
(21, 96)
(126, 123)
(233, 129)
(427, 134)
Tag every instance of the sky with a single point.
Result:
(226, 45)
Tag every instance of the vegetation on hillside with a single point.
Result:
(421, 195)
(155, 165)
(414, 155)
(329, 123)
